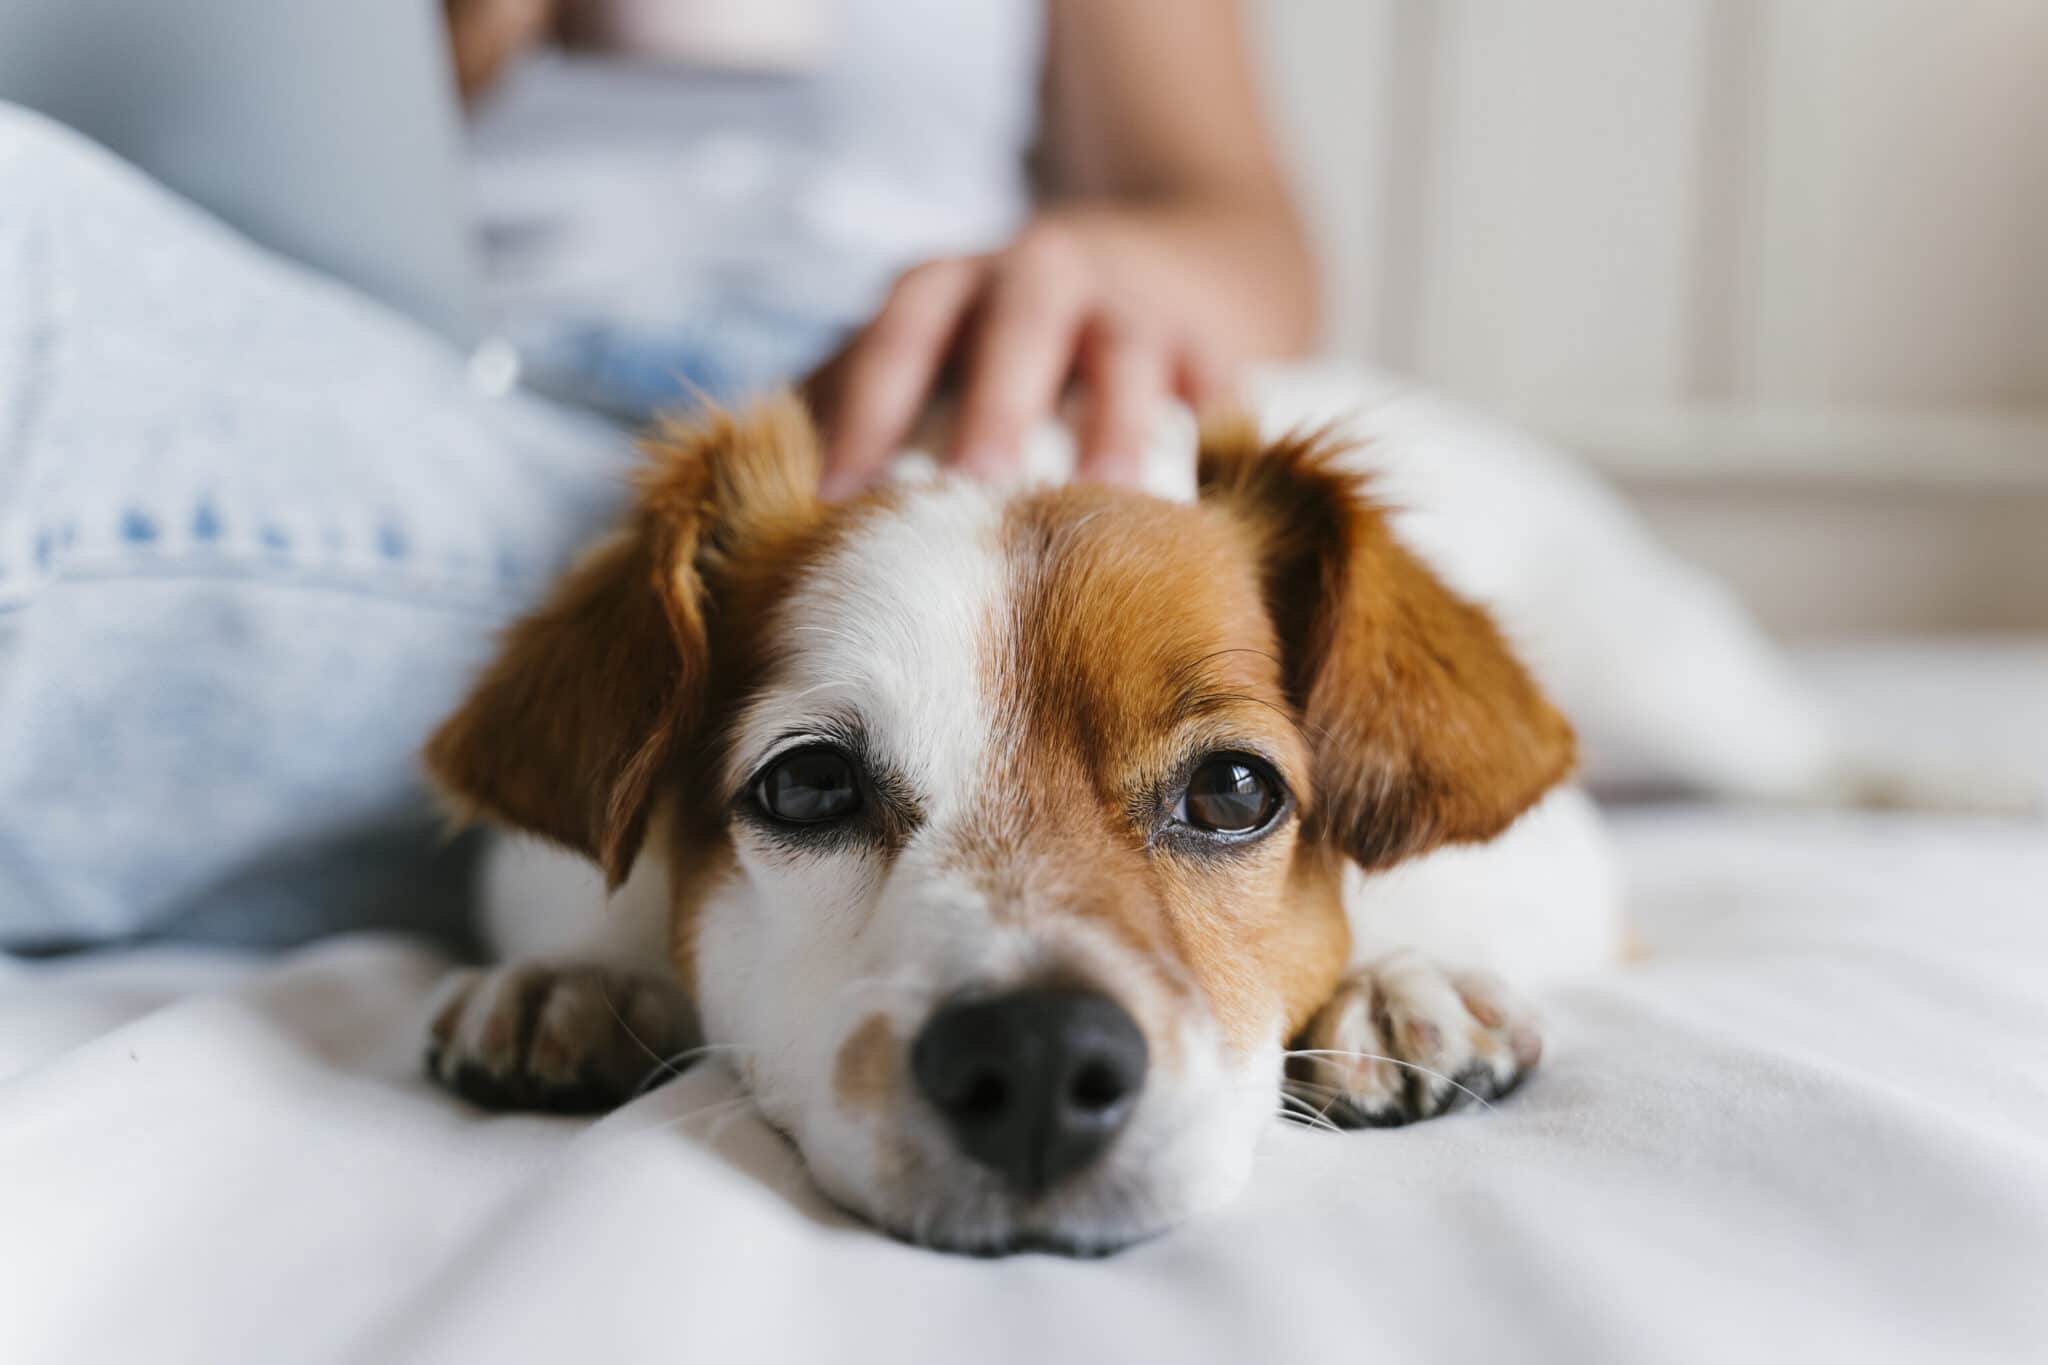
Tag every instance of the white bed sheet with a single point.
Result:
(1812, 1125)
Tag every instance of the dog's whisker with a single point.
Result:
(683, 1120)
(706, 1049)
(1308, 1119)
(676, 1063)
(1451, 1081)
(1298, 1104)
(1300, 1111)
(1332, 1095)
(723, 1111)
(724, 1123)
(604, 992)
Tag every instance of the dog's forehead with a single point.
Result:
(1129, 613)
(943, 616)
(884, 629)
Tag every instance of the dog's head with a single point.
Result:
(1005, 831)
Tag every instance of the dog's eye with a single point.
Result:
(1229, 794)
(809, 787)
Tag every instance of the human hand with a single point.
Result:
(1093, 299)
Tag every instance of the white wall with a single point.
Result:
(1799, 238)
(1675, 202)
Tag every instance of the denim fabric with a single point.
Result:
(256, 533)
(740, 345)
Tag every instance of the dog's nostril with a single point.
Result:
(985, 1096)
(1033, 1085)
(1097, 1085)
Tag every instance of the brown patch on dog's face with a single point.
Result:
(1137, 646)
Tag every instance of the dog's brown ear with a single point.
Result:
(595, 694)
(1425, 728)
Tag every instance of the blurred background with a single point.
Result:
(1775, 267)
(1778, 267)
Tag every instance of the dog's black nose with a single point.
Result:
(1034, 1084)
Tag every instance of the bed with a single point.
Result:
(1811, 1123)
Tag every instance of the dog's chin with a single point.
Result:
(950, 1205)
(1022, 1243)
(1082, 1224)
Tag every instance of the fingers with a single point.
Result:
(888, 373)
(1202, 379)
(1020, 324)
(1022, 350)
(1126, 371)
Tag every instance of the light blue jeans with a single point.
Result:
(256, 534)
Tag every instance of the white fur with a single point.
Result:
(1538, 905)
(543, 903)
(893, 626)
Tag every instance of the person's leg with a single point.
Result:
(255, 532)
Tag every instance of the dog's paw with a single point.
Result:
(561, 1039)
(1403, 1040)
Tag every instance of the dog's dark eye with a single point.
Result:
(809, 787)
(1229, 794)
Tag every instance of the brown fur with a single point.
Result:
(865, 1073)
(1427, 730)
(597, 695)
(564, 732)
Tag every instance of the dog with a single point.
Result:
(1023, 851)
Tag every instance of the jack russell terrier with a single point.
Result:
(1022, 851)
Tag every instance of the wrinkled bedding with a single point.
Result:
(1811, 1124)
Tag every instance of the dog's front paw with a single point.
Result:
(1403, 1040)
(562, 1039)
